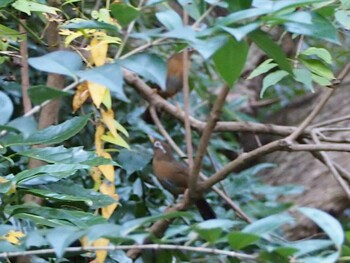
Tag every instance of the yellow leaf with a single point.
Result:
(96, 176)
(97, 93)
(3, 180)
(108, 119)
(107, 188)
(71, 36)
(121, 128)
(118, 140)
(108, 210)
(100, 129)
(80, 96)
(107, 99)
(98, 50)
(107, 169)
(13, 236)
(101, 254)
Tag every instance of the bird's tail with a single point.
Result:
(205, 209)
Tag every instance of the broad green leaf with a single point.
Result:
(149, 66)
(51, 170)
(50, 195)
(274, 6)
(186, 33)
(133, 161)
(211, 235)
(87, 24)
(272, 79)
(299, 17)
(132, 225)
(239, 240)
(170, 19)
(39, 94)
(66, 190)
(209, 46)
(268, 224)
(109, 75)
(320, 28)
(343, 18)
(322, 53)
(345, 4)
(54, 216)
(61, 237)
(52, 134)
(328, 258)
(327, 223)
(304, 76)
(263, 41)
(5, 3)
(27, 7)
(306, 247)
(262, 68)
(6, 107)
(321, 80)
(6, 32)
(241, 15)
(73, 155)
(212, 229)
(230, 60)
(240, 32)
(319, 68)
(124, 13)
(59, 62)
(103, 230)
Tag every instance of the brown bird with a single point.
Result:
(173, 175)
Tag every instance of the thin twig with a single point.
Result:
(204, 140)
(24, 68)
(330, 91)
(327, 160)
(331, 121)
(127, 247)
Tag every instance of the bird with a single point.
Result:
(174, 80)
(173, 175)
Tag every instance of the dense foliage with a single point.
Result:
(96, 183)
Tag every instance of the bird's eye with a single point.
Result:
(158, 144)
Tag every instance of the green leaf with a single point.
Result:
(50, 195)
(73, 155)
(304, 76)
(230, 60)
(327, 223)
(268, 224)
(30, 6)
(320, 28)
(109, 75)
(59, 62)
(5, 3)
(240, 32)
(241, 15)
(262, 68)
(124, 13)
(84, 24)
(6, 107)
(306, 247)
(149, 66)
(53, 217)
(343, 18)
(62, 237)
(66, 190)
(133, 161)
(321, 80)
(209, 46)
(58, 171)
(263, 41)
(52, 134)
(6, 32)
(186, 33)
(170, 19)
(210, 235)
(322, 53)
(239, 240)
(319, 68)
(39, 94)
(272, 79)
